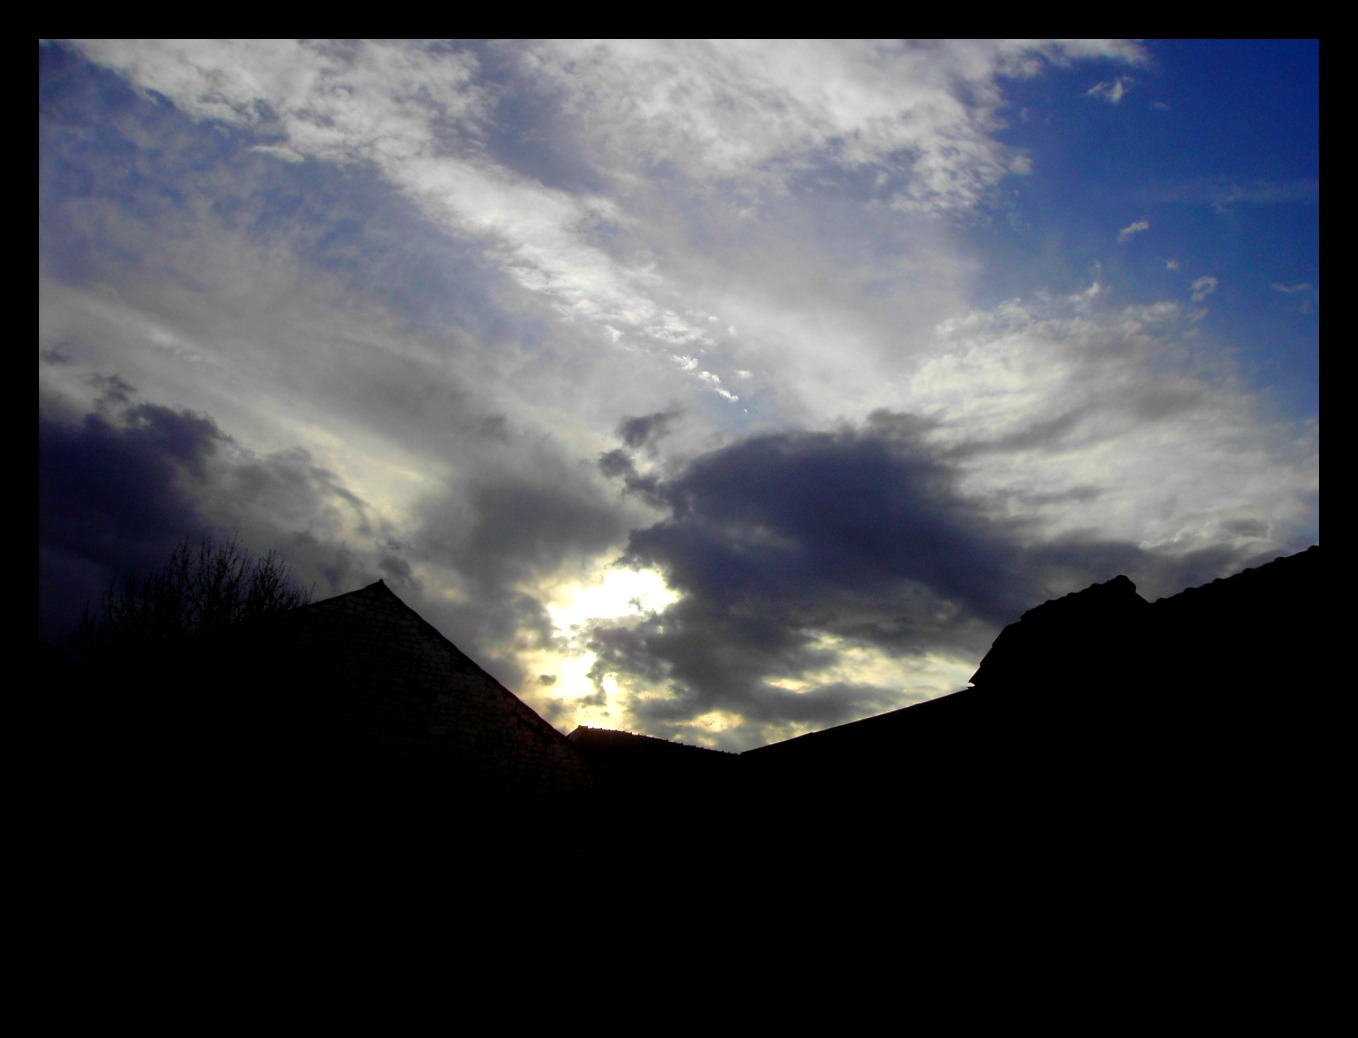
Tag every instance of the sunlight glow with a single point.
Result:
(570, 696)
(621, 592)
(718, 720)
(926, 676)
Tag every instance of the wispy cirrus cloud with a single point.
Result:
(1112, 90)
(1203, 287)
(1097, 419)
(1309, 295)
(1225, 193)
(921, 116)
(1132, 229)
(918, 119)
(418, 115)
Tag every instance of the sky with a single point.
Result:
(718, 391)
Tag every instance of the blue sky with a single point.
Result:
(718, 391)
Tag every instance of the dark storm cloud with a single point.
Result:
(100, 482)
(289, 488)
(617, 463)
(851, 515)
(119, 488)
(112, 389)
(111, 501)
(785, 547)
(781, 540)
(778, 539)
(646, 430)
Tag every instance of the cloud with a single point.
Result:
(921, 115)
(464, 317)
(718, 135)
(119, 488)
(825, 575)
(417, 114)
(107, 490)
(781, 544)
(286, 154)
(646, 430)
(1203, 287)
(1310, 294)
(805, 560)
(1224, 193)
(520, 520)
(1042, 398)
(1111, 90)
(1125, 235)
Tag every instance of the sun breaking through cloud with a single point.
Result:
(720, 390)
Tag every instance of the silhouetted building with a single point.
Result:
(1098, 723)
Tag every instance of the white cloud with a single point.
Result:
(922, 114)
(1310, 294)
(1111, 90)
(278, 152)
(392, 106)
(1081, 300)
(727, 112)
(1125, 235)
(1102, 420)
(1203, 287)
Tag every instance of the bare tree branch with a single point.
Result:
(199, 587)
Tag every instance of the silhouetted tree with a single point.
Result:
(200, 587)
